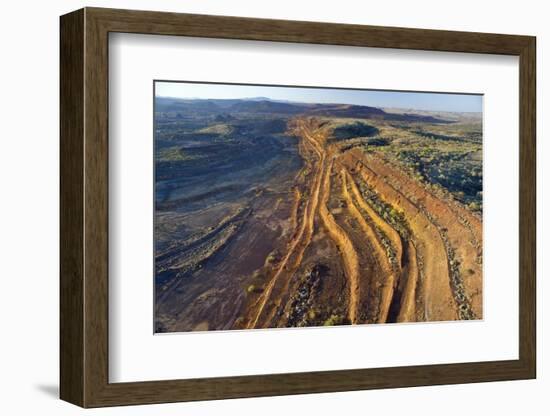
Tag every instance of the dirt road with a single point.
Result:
(368, 244)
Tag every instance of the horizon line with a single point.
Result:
(324, 103)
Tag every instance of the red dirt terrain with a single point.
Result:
(369, 244)
(348, 237)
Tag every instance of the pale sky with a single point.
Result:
(373, 98)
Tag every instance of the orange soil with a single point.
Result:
(418, 285)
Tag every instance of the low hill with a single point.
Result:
(232, 107)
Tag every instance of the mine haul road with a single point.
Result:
(423, 264)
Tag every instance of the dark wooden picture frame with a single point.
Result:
(84, 207)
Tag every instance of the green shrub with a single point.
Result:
(334, 320)
(474, 206)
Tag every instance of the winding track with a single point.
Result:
(379, 253)
(417, 286)
(345, 246)
(302, 239)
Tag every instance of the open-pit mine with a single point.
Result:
(275, 214)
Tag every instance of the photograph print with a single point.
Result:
(286, 207)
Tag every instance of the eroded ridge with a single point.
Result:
(404, 254)
(350, 237)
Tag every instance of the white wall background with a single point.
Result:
(29, 207)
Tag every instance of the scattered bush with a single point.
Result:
(334, 320)
(474, 206)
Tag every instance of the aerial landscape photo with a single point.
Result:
(285, 207)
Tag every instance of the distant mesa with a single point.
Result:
(347, 110)
(267, 107)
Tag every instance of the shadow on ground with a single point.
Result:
(51, 390)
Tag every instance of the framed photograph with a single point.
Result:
(263, 207)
